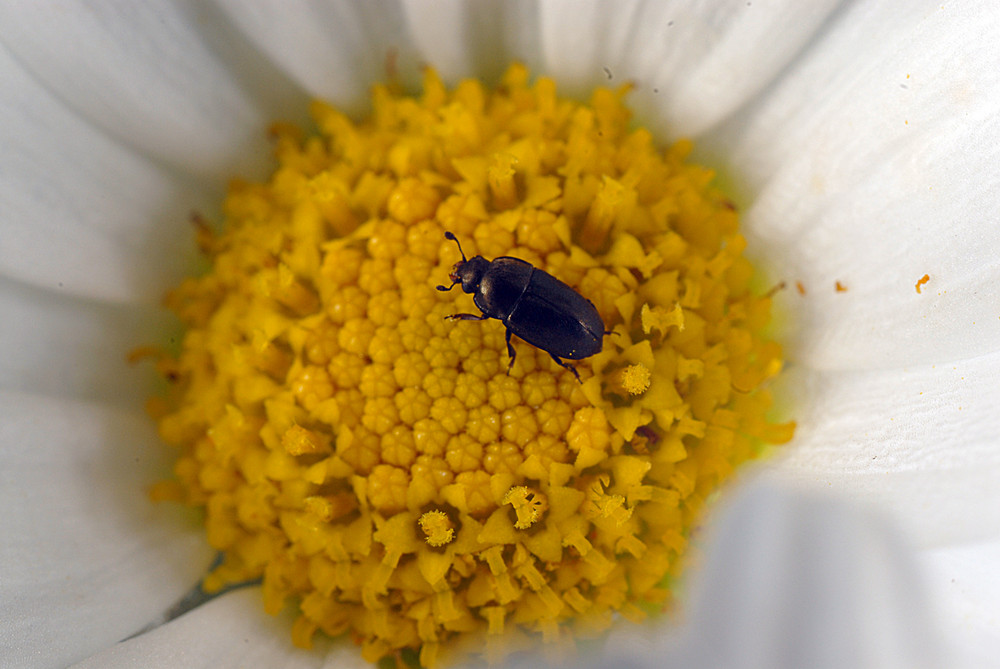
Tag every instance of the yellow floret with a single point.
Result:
(528, 505)
(379, 466)
(437, 527)
(633, 380)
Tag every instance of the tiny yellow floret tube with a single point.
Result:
(374, 463)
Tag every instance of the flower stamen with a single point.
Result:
(529, 505)
(437, 527)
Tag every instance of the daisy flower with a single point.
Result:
(857, 140)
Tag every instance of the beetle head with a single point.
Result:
(469, 273)
(466, 272)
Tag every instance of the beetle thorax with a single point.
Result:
(470, 273)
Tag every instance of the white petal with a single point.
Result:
(694, 63)
(144, 73)
(966, 584)
(229, 631)
(875, 161)
(333, 51)
(86, 558)
(806, 580)
(919, 443)
(463, 39)
(83, 215)
(64, 347)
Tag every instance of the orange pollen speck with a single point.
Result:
(923, 280)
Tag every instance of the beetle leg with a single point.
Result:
(466, 317)
(568, 366)
(510, 353)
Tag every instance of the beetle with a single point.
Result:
(531, 303)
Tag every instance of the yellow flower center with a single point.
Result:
(374, 462)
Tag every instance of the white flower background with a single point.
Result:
(863, 139)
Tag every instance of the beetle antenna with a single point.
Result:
(452, 237)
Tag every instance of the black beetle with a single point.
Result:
(531, 303)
